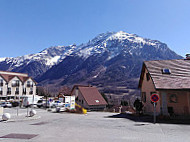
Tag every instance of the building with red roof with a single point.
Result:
(89, 97)
(170, 79)
(14, 85)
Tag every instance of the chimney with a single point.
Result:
(187, 56)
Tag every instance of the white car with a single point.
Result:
(48, 104)
(6, 104)
(58, 104)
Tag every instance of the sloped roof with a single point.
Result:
(92, 96)
(8, 77)
(178, 79)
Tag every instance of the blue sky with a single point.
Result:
(29, 26)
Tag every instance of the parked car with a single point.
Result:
(48, 104)
(15, 103)
(30, 100)
(58, 104)
(41, 103)
(6, 104)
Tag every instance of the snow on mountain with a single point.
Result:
(39, 62)
(122, 36)
(49, 56)
(2, 59)
(102, 51)
(110, 59)
(115, 42)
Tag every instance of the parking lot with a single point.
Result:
(93, 127)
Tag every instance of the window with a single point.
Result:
(166, 71)
(143, 97)
(9, 91)
(147, 76)
(1, 82)
(29, 84)
(24, 90)
(17, 91)
(15, 83)
(173, 98)
(1, 91)
(31, 91)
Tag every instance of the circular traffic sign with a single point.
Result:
(154, 98)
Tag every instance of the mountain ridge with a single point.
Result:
(110, 59)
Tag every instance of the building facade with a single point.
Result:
(170, 79)
(88, 97)
(14, 85)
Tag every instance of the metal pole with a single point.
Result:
(154, 112)
(32, 102)
(17, 111)
(27, 111)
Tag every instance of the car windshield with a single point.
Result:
(40, 101)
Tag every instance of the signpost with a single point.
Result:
(154, 98)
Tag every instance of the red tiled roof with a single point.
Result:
(92, 96)
(23, 79)
(8, 77)
(179, 77)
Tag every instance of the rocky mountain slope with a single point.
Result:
(112, 61)
(37, 64)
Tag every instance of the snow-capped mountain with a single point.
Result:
(110, 59)
(36, 64)
(117, 42)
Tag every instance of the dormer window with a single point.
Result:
(15, 83)
(97, 101)
(29, 84)
(166, 71)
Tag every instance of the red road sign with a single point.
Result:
(154, 98)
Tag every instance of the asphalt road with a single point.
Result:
(93, 127)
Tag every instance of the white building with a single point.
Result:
(14, 85)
